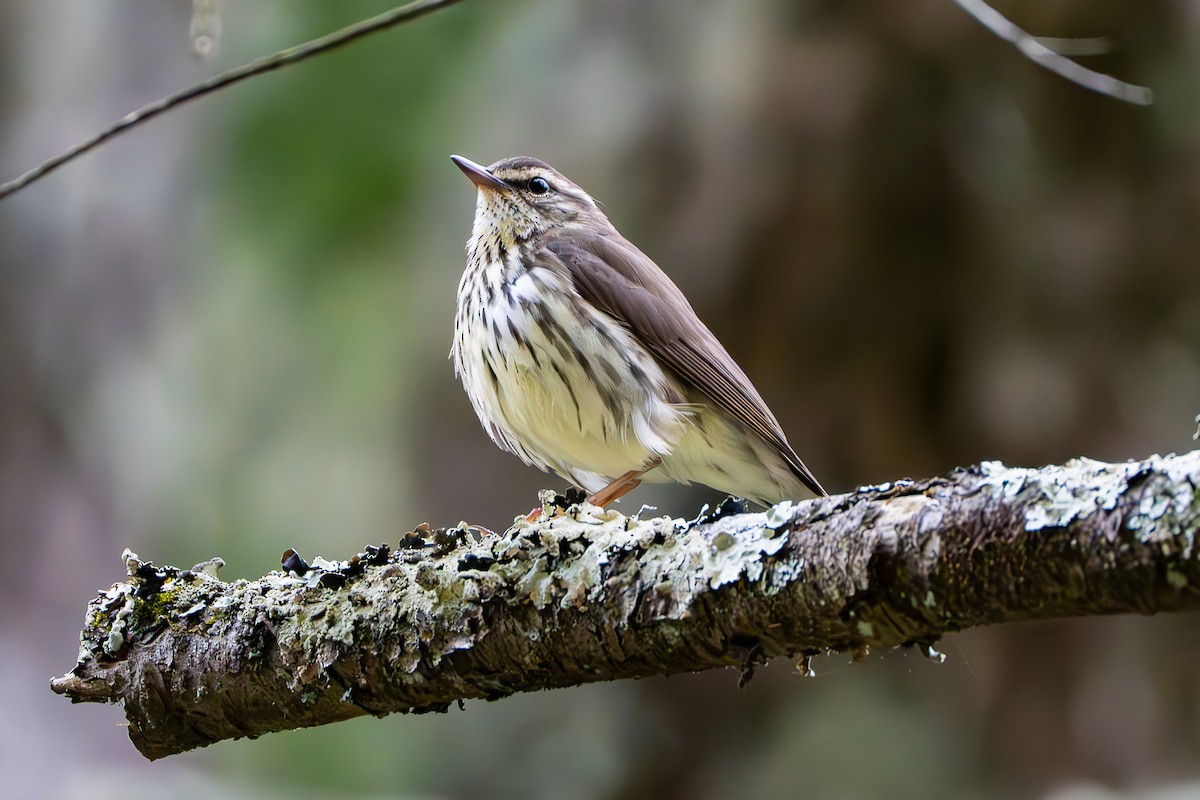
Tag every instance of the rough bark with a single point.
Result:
(595, 596)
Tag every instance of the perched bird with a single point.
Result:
(581, 356)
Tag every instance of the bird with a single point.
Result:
(582, 358)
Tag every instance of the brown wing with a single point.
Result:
(619, 279)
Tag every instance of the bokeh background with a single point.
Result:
(225, 333)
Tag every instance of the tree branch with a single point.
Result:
(269, 63)
(1035, 49)
(596, 596)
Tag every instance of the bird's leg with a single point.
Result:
(619, 487)
(623, 484)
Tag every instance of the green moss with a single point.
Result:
(148, 610)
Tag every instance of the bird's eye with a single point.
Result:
(539, 186)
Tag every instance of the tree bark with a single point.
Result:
(592, 595)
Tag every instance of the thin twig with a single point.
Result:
(1038, 53)
(267, 64)
(1076, 47)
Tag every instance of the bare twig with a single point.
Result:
(596, 596)
(1037, 52)
(267, 64)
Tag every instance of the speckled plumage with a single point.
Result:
(581, 357)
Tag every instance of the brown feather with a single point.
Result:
(616, 277)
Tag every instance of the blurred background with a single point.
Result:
(225, 333)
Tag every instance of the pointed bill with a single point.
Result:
(479, 174)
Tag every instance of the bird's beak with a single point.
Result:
(479, 174)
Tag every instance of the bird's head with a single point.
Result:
(521, 197)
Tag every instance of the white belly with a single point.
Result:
(562, 385)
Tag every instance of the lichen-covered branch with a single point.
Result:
(592, 595)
